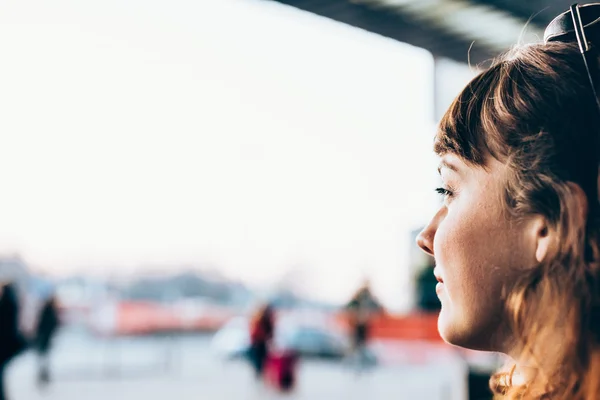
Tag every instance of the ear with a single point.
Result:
(543, 237)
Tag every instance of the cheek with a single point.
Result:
(471, 249)
(474, 249)
(462, 242)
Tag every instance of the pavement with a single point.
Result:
(184, 368)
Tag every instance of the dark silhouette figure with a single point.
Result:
(361, 309)
(47, 326)
(12, 341)
(261, 334)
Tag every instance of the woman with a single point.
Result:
(261, 334)
(516, 238)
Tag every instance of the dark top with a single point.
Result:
(11, 340)
(47, 326)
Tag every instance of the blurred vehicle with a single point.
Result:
(308, 341)
(233, 339)
(312, 342)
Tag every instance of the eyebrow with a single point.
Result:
(447, 164)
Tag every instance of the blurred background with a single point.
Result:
(169, 167)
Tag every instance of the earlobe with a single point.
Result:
(543, 240)
(542, 237)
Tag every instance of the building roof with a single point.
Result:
(463, 30)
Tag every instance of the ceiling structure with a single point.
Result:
(463, 30)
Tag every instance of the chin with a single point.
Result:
(456, 332)
(446, 327)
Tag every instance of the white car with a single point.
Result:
(233, 339)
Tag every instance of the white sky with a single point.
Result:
(240, 133)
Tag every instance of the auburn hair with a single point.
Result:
(533, 110)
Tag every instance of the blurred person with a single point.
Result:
(48, 324)
(12, 342)
(516, 239)
(361, 309)
(262, 328)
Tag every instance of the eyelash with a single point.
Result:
(444, 192)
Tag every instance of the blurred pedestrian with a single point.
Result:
(48, 324)
(261, 334)
(12, 341)
(361, 310)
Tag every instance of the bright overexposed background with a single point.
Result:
(240, 134)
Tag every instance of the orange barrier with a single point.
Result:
(136, 318)
(416, 326)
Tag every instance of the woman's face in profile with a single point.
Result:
(478, 251)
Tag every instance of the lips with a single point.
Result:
(440, 287)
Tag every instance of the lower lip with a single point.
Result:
(439, 287)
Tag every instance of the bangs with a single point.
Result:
(481, 114)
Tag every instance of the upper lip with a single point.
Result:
(438, 276)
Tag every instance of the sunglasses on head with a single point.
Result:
(575, 25)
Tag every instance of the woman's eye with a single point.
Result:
(444, 192)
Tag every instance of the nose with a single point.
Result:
(425, 239)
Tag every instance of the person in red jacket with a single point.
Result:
(261, 334)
